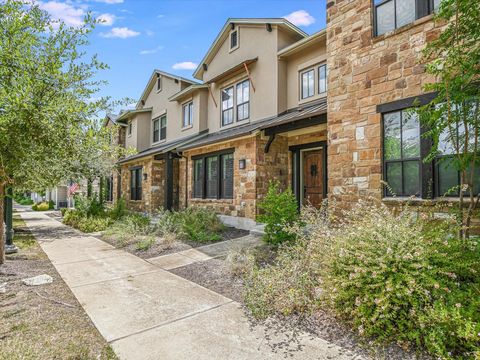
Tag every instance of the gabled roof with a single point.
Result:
(187, 91)
(302, 44)
(110, 117)
(126, 114)
(222, 35)
(153, 78)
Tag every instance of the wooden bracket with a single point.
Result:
(211, 94)
(249, 77)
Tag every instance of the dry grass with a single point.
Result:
(34, 324)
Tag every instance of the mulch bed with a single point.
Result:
(46, 321)
(159, 248)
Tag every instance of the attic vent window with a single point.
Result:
(233, 39)
(159, 83)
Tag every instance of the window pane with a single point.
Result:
(242, 112)
(394, 178)
(392, 142)
(411, 178)
(446, 142)
(410, 135)
(163, 120)
(447, 177)
(139, 184)
(405, 12)
(322, 79)
(227, 98)
(385, 17)
(190, 113)
(185, 115)
(212, 176)
(198, 178)
(233, 39)
(436, 4)
(227, 176)
(308, 84)
(227, 117)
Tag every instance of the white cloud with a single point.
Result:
(300, 18)
(122, 33)
(186, 65)
(160, 16)
(106, 19)
(151, 51)
(110, 1)
(67, 13)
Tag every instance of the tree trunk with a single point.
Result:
(2, 229)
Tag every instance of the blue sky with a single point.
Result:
(138, 36)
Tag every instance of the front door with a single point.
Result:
(313, 177)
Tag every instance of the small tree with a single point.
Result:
(453, 117)
(279, 210)
(47, 116)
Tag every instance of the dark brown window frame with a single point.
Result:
(219, 193)
(136, 188)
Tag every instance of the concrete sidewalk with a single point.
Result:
(146, 312)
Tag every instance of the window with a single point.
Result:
(227, 106)
(163, 127)
(243, 98)
(213, 176)
(392, 14)
(187, 115)
(130, 127)
(447, 175)
(109, 188)
(198, 178)
(401, 153)
(136, 184)
(156, 130)
(159, 83)
(233, 39)
(322, 78)
(308, 88)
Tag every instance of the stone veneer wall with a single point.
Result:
(152, 189)
(363, 72)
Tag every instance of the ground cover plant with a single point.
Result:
(89, 215)
(404, 277)
(21, 199)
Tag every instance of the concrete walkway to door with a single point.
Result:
(146, 312)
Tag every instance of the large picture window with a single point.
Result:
(392, 14)
(213, 176)
(136, 184)
(401, 153)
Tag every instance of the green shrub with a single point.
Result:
(76, 219)
(394, 277)
(89, 206)
(43, 206)
(51, 205)
(197, 224)
(145, 244)
(63, 211)
(119, 210)
(26, 201)
(279, 211)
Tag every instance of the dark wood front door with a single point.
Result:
(313, 177)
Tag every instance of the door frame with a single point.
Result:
(297, 172)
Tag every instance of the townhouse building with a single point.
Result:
(314, 112)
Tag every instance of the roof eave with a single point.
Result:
(301, 44)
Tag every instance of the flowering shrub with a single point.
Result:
(395, 277)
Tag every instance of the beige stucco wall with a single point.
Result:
(312, 56)
(200, 115)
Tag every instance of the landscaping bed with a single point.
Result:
(46, 321)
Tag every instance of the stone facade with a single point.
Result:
(153, 186)
(365, 71)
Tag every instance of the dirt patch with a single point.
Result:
(160, 246)
(42, 322)
(214, 275)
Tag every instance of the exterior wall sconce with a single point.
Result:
(242, 164)
(145, 176)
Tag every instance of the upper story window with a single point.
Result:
(159, 83)
(187, 114)
(160, 128)
(392, 14)
(227, 106)
(156, 130)
(130, 127)
(163, 127)
(233, 39)
(308, 84)
(243, 100)
(322, 78)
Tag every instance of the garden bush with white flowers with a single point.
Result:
(395, 277)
